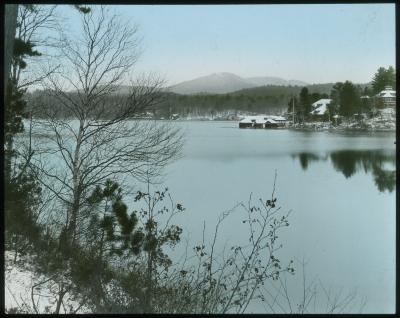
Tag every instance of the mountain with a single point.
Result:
(277, 90)
(217, 83)
(268, 80)
(222, 83)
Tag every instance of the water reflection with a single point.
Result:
(380, 164)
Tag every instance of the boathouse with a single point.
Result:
(246, 123)
(270, 123)
(262, 121)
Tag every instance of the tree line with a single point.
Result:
(345, 96)
(270, 99)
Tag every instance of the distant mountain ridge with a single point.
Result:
(222, 83)
(269, 80)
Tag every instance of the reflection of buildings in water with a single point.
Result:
(378, 163)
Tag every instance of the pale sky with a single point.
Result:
(315, 43)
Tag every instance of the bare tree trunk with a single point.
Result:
(149, 278)
(149, 283)
(76, 184)
(60, 298)
(8, 158)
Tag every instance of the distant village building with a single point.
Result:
(320, 107)
(387, 97)
(262, 121)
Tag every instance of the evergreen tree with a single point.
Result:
(367, 91)
(383, 77)
(304, 100)
(349, 99)
(22, 189)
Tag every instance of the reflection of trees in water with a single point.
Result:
(306, 157)
(384, 180)
(351, 161)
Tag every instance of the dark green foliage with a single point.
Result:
(367, 101)
(136, 241)
(82, 9)
(22, 194)
(304, 99)
(349, 99)
(116, 224)
(14, 110)
(96, 197)
(110, 188)
(303, 104)
(313, 97)
(345, 99)
(383, 77)
(22, 198)
(21, 51)
(14, 103)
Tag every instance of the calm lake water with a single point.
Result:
(339, 186)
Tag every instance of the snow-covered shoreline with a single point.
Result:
(22, 286)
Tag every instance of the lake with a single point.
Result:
(339, 186)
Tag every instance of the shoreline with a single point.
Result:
(308, 127)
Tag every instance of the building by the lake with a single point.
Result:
(320, 107)
(263, 121)
(386, 98)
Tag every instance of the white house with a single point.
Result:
(320, 106)
(387, 96)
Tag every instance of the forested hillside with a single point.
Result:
(269, 99)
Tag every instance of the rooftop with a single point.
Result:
(387, 92)
(320, 110)
(260, 119)
(323, 101)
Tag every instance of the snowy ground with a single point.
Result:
(22, 286)
(373, 124)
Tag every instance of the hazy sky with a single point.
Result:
(313, 43)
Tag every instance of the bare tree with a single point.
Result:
(100, 143)
(312, 297)
(215, 281)
(34, 29)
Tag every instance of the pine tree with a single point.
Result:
(349, 99)
(304, 99)
(382, 78)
